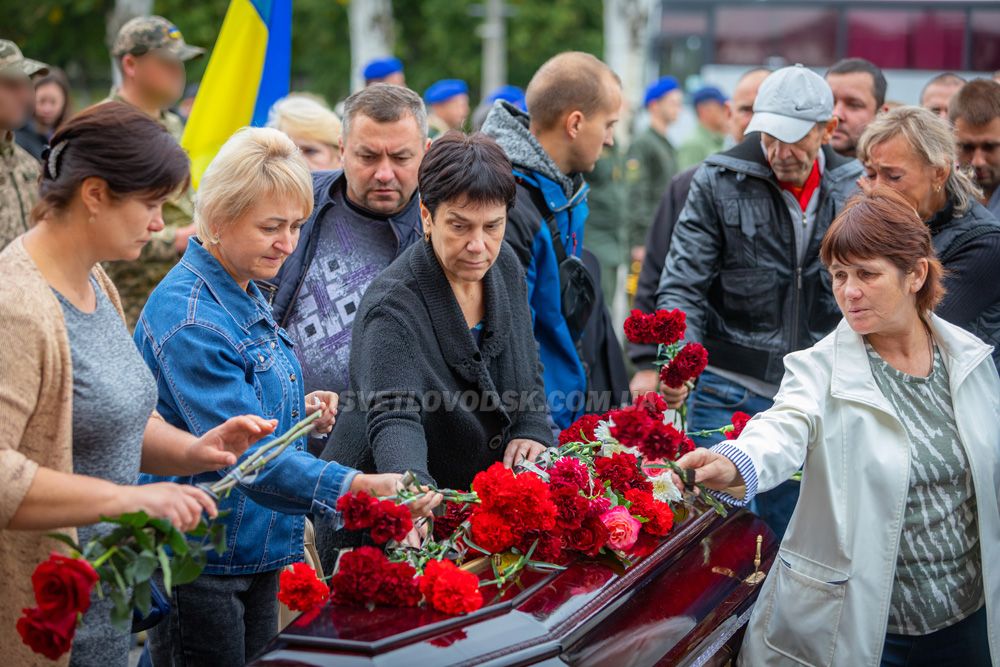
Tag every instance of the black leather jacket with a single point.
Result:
(733, 262)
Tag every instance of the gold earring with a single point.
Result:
(427, 236)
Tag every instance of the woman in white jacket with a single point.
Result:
(892, 556)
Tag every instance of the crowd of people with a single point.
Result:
(449, 300)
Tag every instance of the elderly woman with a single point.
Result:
(76, 401)
(444, 372)
(214, 348)
(892, 556)
(912, 151)
(312, 126)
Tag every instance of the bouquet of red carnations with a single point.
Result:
(605, 484)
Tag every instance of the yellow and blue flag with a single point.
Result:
(249, 70)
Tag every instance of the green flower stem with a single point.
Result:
(104, 557)
(263, 456)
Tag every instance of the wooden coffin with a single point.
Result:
(684, 601)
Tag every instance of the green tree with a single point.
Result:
(435, 38)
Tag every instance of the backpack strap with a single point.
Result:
(538, 200)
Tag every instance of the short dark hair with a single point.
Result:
(117, 142)
(945, 78)
(854, 65)
(977, 102)
(570, 81)
(880, 223)
(471, 167)
(384, 103)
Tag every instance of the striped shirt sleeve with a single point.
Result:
(746, 469)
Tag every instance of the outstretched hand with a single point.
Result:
(711, 469)
(224, 444)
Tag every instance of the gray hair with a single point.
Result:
(385, 103)
(932, 139)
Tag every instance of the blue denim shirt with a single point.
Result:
(216, 352)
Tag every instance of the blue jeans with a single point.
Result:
(712, 405)
(964, 644)
(217, 620)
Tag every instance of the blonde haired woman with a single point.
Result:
(212, 344)
(312, 126)
(913, 152)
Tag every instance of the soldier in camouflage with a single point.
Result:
(19, 171)
(151, 53)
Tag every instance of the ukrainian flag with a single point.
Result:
(249, 70)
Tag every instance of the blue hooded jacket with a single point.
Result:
(528, 234)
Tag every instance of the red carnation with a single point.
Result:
(549, 547)
(454, 515)
(569, 472)
(62, 585)
(598, 506)
(571, 507)
(622, 472)
(668, 326)
(354, 582)
(661, 442)
(449, 589)
(582, 430)
(637, 328)
(491, 532)
(739, 421)
(300, 589)
(391, 522)
(50, 636)
(652, 403)
(358, 510)
(659, 517)
(629, 425)
(689, 363)
(398, 586)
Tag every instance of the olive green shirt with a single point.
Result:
(605, 233)
(19, 173)
(702, 143)
(651, 163)
(135, 280)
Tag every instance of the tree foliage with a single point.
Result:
(435, 38)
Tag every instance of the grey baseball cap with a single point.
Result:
(790, 102)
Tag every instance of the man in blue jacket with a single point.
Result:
(364, 217)
(573, 104)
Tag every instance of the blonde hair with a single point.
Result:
(932, 139)
(304, 116)
(254, 164)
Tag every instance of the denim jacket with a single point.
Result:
(216, 352)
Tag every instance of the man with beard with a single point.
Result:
(975, 114)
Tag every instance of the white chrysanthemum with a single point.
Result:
(602, 432)
(664, 489)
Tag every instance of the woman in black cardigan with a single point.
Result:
(444, 371)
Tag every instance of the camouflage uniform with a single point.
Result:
(19, 171)
(135, 280)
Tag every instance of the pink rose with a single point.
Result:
(622, 527)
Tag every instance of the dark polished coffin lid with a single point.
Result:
(680, 603)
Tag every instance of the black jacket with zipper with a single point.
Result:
(733, 262)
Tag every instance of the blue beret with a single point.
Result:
(659, 88)
(379, 68)
(445, 89)
(708, 94)
(508, 93)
